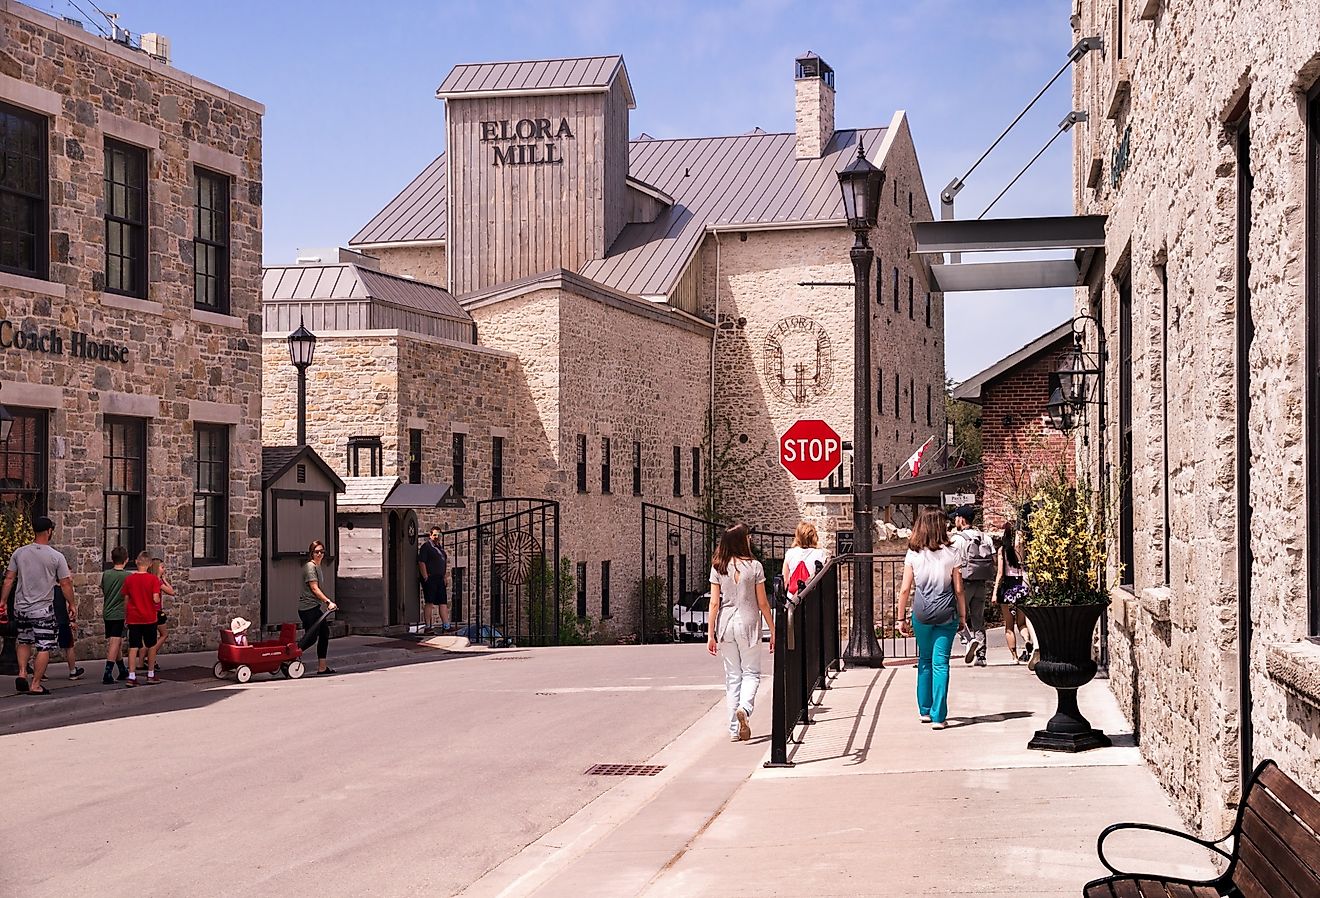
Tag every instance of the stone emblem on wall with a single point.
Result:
(798, 359)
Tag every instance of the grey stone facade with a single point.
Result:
(1159, 156)
(175, 366)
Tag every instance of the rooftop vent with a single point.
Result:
(157, 46)
(809, 65)
(813, 105)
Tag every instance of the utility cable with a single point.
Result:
(1024, 170)
(87, 18)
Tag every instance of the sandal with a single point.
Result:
(20, 684)
(327, 672)
(40, 690)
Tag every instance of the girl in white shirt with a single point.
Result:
(737, 607)
(806, 550)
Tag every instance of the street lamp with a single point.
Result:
(1071, 386)
(302, 346)
(860, 182)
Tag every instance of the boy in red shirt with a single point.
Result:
(141, 612)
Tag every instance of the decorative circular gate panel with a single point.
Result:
(513, 556)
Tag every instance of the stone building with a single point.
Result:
(130, 263)
(1016, 437)
(651, 298)
(1203, 149)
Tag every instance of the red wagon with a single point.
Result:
(274, 656)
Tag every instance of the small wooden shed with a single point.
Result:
(299, 503)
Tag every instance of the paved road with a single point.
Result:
(411, 780)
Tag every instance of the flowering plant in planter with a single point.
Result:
(1065, 544)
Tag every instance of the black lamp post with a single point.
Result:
(861, 182)
(302, 346)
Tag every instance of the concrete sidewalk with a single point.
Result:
(877, 804)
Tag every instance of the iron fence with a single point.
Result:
(808, 646)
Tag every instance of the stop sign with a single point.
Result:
(810, 450)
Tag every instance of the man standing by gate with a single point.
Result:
(433, 568)
(976, 552)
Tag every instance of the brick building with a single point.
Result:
(130, 264)
(1016, 438)
(1203, 149)
(649, 296)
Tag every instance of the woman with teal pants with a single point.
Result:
(938, 611)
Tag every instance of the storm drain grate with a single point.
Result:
(624, 769)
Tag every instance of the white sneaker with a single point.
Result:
(733, 737)
(925, 718)
(973, 649)
(938, 726)
(744, 728)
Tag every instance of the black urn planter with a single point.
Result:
(1064, 633)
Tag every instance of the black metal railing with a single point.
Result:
(808, 646)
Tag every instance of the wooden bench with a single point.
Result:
(1275, 850)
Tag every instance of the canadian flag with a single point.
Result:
(914, 460)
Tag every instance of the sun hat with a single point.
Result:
(239, 625)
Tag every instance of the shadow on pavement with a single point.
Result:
(988, 718)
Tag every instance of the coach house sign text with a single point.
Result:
(527, 141)
(49, 341)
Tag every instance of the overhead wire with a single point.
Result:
(1048, 143)
(87, 18)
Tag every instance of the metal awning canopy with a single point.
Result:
(1083, 234)
(422, 495)
(926, 489)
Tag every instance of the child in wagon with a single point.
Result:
(239, 627)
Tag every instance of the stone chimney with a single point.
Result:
(814, 83)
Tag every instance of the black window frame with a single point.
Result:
(605, 461)
(221, 185)
(582, 590)
(497, 467)
(458, 464)
(930, 410)
(133, 241)
(1313, 354)
(879, 389)
(605, 590)
(375, 456)
(212, 503)
(37, 203)
(879, 282)
(1126, 512)
(135, 529)
(928, 309)
(911, 306)
(29, 438)
(678, 471)
(637, 469)
(696, 470)
(895, 288)
(582, 463)
(414, 455)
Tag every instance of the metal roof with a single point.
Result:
(423, 495)
(420, 211)
(970, 389)
(349, 281)
(1083, 234)
(579, 74)
(275, 460)
(750, 179)
(366, 493)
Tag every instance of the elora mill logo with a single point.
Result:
(798, 360)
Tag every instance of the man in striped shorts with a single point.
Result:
(38, 568)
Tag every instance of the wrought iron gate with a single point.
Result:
(504, 586)
(676, 551)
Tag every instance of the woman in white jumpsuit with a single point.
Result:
(738, 605)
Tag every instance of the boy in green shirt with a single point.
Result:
(112, 611)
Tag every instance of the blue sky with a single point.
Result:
(351, 115)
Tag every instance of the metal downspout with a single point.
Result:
(714, 338)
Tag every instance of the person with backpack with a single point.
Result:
(977, 564)
(800, 561)
(931, 570)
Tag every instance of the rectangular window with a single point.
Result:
(125, 219)
(696, 471)
(366, 458)
(497, 467)
(1126, 522)
(24, 193)
(911, 309)
(879, 391)
(211, 242)
(582, 463)
(1313, 351)
(909, 202)
(930, 411)
(460, 464)
(604, 589)
(912, 399)
(582, 589)
(124, 518)
(637, 469)
(605, 465)
(879, 282)
(414, 456)
(897, 413)
(895, 288)
(927, 308)
(678, 471)
(23, 462)
(211, 494)
(1119, 14)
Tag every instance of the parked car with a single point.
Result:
(690, 613)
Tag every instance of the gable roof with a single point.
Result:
(582, 74)
(970, 389)
(275, 460)
(750, 179)
(347, 280)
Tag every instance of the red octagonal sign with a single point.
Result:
(810, 450)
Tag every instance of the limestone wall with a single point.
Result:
(1174, 642)
(181, 366)
(425, 263)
